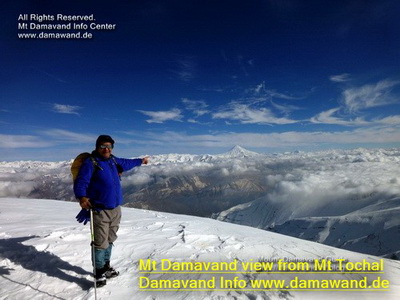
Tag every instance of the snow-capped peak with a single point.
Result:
(238, 151)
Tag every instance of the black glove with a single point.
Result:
(83, 216)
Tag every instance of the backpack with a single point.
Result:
(78, 161)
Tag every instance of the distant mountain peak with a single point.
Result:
(239, 151)
(238, 147)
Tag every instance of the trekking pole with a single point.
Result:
(93, 253)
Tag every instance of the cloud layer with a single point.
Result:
(263, 118)
(263, 106)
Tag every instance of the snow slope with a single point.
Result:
(45, 254)
(374, 230)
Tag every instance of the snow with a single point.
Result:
(238, 151)
(343, 198)
(45, 254)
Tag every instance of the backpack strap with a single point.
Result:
(118, 166)
(95, 163)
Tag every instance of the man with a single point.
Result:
(98, 187)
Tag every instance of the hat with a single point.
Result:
(104, 139)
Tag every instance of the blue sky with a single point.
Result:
(202, 76)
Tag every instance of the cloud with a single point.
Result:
(20, 189)
(163, 116)
(340, 78)
(65, 136)
(390, 120)
(198, 107)
(369, 95)
(185, 68)
(23, 141)
(56, 78)
(282, 140)
(261, 90)
(258, 88)
(357, 99)
(246, 114)
(66, 109)
(285, 108)
(327, 117)
(275, 94)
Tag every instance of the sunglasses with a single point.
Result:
(106, 146)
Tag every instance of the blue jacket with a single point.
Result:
(101, 184)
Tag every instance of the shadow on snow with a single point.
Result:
(29, 258)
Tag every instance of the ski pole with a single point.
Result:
(93, 253)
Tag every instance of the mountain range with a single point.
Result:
(344, 198)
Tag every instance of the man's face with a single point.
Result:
(105, 150)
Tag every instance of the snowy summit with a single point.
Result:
(238, 152)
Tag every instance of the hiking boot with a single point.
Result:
(101, 279)
(110, 272)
